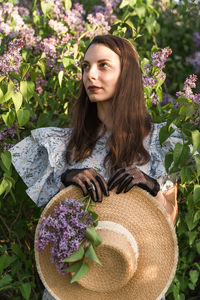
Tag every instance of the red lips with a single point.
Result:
(93, 88)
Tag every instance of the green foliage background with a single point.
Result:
(150, 25)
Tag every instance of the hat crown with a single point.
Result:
(118, 254)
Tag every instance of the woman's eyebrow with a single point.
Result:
(100, 60)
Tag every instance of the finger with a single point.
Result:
(129, 186)
(91, 191)
(117, 181)
(115, 175)
(103, 184)
(97, 191)
(81, 185)
(124, 184)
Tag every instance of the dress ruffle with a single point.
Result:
(40, 160)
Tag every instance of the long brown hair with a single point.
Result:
(131, 122)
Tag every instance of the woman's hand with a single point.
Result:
(128, 177)
(88, 180)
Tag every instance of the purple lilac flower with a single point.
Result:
(194, 60)
(10, 60)
(18, 27)
(66, 229)
(187, 88)
(196, 37)
(147, 80)
(75, 19)
(7, 132)
(40, 83)
(58, 27)
(159, 58)
(154, 98)
(48, 46)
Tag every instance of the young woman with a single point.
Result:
(112, 142)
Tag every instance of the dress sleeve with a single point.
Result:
(158, 153)
(40, 159)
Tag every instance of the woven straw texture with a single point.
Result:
(148, 222)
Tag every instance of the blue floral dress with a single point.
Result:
(40, 160)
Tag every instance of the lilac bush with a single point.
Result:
(154, 76)
(66, 230)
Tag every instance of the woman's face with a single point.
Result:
(101, 70)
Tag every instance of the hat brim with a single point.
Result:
(148, 222)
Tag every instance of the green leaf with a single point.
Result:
(60, 77)
(90, 254)
(196, 141)
(46, 7)
(74, 267)
(25, 289)
(84, 269)
(192, 236)
(194, 275)
(197, 161)
(3, 186)
(17, 251)
(181, 153)
(8, 94)
(198, 247)
(189, 218)
(93, 237)
(6, 159)
(27, 89)
(1, 95)
(168, 160)
(127, 2)
(67, 4)
(5, 261)
(5, 280)
(24, 69)
(9, 118)
(150, 24)
(190, 111)
(77, 255)
(67, 61)
(23, 116)
(196, 195)
(17, 100)
(93, 214)
(165, 133)
(186, 174)
(42, 65)
(140, 10)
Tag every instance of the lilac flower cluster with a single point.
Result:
(40, 83)
(10, 60)
(189, 84)
(7, 133)
(153, 72)
(75, 19)
(159, 58)
(194, 59)
(66, 229)
(196, 36)
(14, 26)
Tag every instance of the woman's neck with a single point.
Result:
(104, 113)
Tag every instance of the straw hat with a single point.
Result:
(139, 251)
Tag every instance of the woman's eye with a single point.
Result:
(104, 65)
(85, 66)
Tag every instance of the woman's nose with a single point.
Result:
(93, 72)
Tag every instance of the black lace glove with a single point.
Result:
(88, 180)
(126, 178)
